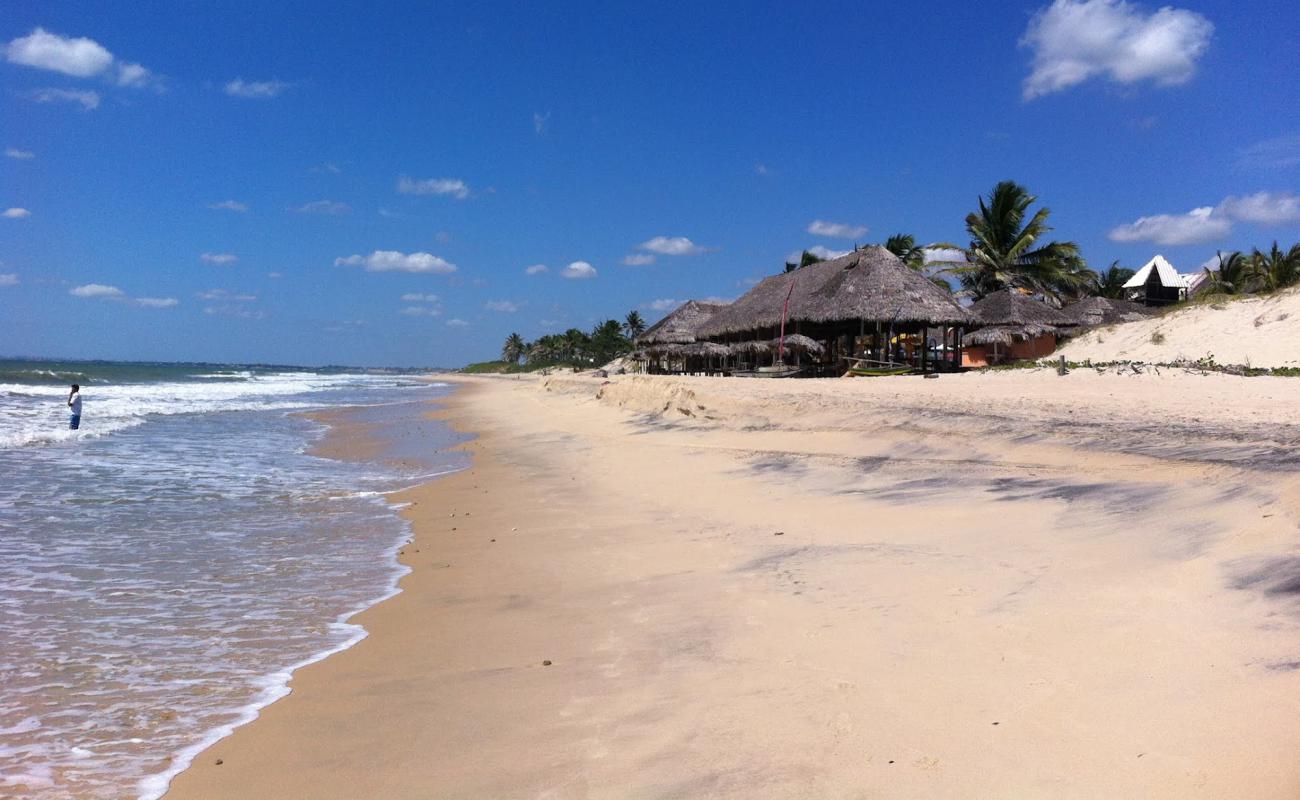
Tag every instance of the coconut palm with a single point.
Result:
(1275, 269)
(513, 349)
(1232, 277)
(633, 325)
(1110, 283)
(908, 251)
(1005, 251)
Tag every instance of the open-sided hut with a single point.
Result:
(670, 345)
(867, 303)
(1014, 326)
(1092, 312)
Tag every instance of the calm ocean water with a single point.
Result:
(165, 568)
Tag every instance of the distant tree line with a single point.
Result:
(576, 348)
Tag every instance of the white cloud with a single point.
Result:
(8, 279)
(1198, 226)
(1262, 208)
(21, 155)
(503, 306)
(420, 298)
(80, 58)
(234, 311)
(664, 304)
(331, 168)
(1075, 40)
(327, 207)
(943, 255)
(218, 258)
(1211, 223)
(275, 275)
(540, 121)
(824, 253)
(89, 100)
(457, 323)
(762, 169)
(453, 187)
(393, 261)
(421, 311)
(672, 246)
(837, 230)
(638, 259)
(229, 205)
(255, 90)
(95, 290)
(134, 76)
(535, 269)
(156, 302)
(578, 270)
(222, 294)
(16, 213)
(1283, 151)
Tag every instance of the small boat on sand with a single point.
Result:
(776, 371)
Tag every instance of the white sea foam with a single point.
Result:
(159, 584)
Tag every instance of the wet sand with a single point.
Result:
(1006, 585)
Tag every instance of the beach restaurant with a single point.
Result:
(862, 310)
(670, 345)
(1014, 326)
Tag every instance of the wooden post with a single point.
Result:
(925, 346)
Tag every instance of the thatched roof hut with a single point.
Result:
(1007, 334)
(1012, 307)
(1093, 311)
(871, 284)
(681, 325)
(683, 350)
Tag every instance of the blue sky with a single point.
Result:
(287, 173)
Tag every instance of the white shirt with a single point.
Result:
(75, 403)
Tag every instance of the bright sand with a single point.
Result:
(999, 585)
(1258, 331)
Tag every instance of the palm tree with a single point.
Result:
(513, 349)
(1275, 269)
(633, 325)
(1111, 282)
(905, 247)
(1005, 251)
(805, 259)
(1232, 277)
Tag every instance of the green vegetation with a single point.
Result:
(1258, 273)
(804, 260)
(1110, 284)
(573, 348)
(1005, 251)
(1157, 337)
(908, 251)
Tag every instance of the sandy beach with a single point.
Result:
(1007, 584)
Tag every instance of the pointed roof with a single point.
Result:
(867, 284)
(1165, 271)
(1013, 307)
(681, 325)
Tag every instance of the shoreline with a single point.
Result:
(637, 630)
(340, 439)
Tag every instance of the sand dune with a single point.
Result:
(1259, 332)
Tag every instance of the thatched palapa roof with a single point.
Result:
(1011, 307)
(681, 350)
(681, 325)
(870, 284)
(1007, 334)
(1093, 311)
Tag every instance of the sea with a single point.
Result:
(165, 568)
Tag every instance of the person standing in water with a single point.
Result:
(74, 405)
